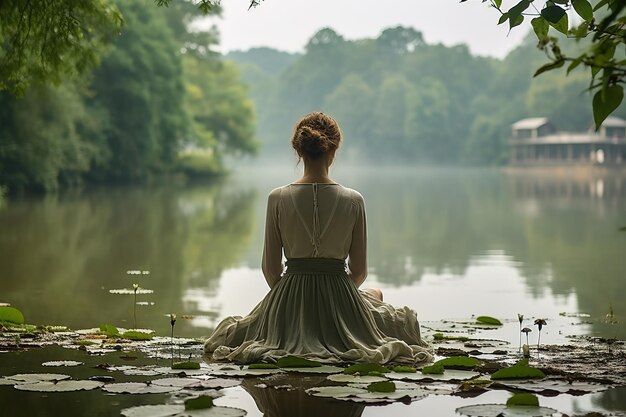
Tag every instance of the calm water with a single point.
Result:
(448, 243)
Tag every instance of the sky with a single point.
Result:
(288, 24)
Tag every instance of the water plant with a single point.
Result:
(526, 330)
(520, 317)
(135, 288)
(172, 323)
(540, 323)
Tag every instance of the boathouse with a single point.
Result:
(536, 141)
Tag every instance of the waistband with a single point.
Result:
(315, 266)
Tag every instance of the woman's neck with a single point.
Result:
(316, 171)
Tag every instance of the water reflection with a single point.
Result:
(59, 256)
(548, 239)
(295, 402)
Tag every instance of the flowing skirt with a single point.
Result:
(316, 312)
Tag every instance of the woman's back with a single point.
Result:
(322, 232)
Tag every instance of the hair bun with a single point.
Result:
(316, 134)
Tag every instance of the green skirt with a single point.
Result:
(316, 312)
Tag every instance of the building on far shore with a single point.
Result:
(536, 141)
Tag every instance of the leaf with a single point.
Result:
(175, 382)
(186, 365)
(523, 398)
(159, 410)
(383, 386)
(135, 335)
(553, 14)
(549, 66)
(262, 366)
(109, 330)
(401, 368)
(541, 27)
(62, 363)
(355, 379)
(11, 315)
(458, 362)
(138, 388)
(436, 369)
(583, 8)
(575, 63)
(60, 386)
(498, 3)
(365, 368)
(448, 375)
(199, 403)
(497, 410)
(503, 18)
(296, 362)
(488, 320)
(516, 21)
(600, 4)
(605, 102)
(520, 370)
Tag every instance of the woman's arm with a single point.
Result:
(357, 261)
(273, 247)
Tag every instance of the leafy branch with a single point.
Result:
(605, 23)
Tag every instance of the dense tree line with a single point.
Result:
(160, 101)
(401, 100)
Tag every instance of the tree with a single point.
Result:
(43, 42)
(602, 34)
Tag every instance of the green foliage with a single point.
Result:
(383, 386)
(199, 403)
(160, 101)
(186, 365)
(135, 335)
(604, 22)
(488, 320)
(401, 369)
(434, 369)
(520, 370)
(375, 373)
(462, 362)
(263, 366)
(524, 399)
(30, 55)
(11, 315)
(296, 362)
(109, 330)
(365, 368)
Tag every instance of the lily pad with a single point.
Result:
(296, 362)
(176, 382)
(382, 386)
(11, 315)
(448, 375)
(435, 369)
(109, 330)
(520, 370)
(497, 410)
(214, 412)
(324, 369)
(401, 368)
(335, 391)
(199, 403)
(523, 398)
(137, 335)
(365, 368)
(34, 378)
(186, 365)
(161, 410)
(441, 336)
(488, 320)
(219, 383)
(60, 386)
(355, 379)
(262, 366)
(464, 362)
(138, 388)
(245, 372)
(62, 363)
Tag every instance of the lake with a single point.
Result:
(449, 243)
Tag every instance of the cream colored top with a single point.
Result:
(315, 221)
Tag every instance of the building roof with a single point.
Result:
(613, 121)
(531, 123)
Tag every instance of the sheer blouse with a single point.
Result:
(315, 221)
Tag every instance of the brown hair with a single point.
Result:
(315, 134)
